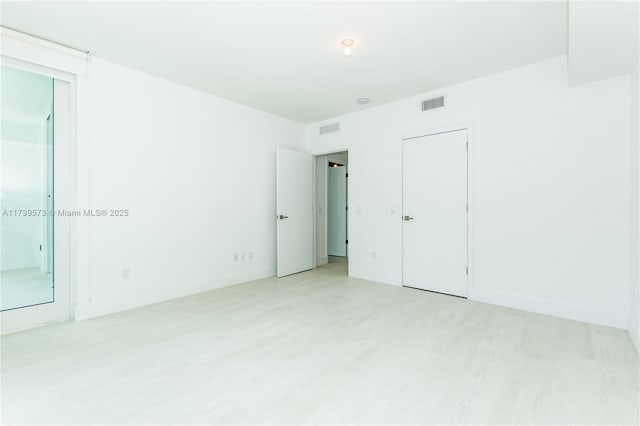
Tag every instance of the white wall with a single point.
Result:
(197, 174)
(550, 188)
(634, 308)
(22, 188)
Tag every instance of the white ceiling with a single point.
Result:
(284, 57)
(603, 39)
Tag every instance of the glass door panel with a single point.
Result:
(26, 189)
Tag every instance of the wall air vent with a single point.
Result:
(335, 127)
(433, 103)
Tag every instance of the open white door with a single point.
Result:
(294, 204)
(435, 213)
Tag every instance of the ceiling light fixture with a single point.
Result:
(346, 44)
(362, 101)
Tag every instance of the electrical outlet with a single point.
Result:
(373, 254)
(125, 273)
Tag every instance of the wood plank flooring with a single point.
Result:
(320, 348)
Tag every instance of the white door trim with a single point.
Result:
(40, 51)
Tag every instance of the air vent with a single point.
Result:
(433, 103)
(335, 127)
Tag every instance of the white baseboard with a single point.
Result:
(548, 307)
(588, 314)
(97, 309)
(364, 274)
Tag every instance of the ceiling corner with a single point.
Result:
(602, 40)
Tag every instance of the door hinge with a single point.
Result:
(467, 146)
(467, 208)
(347, 241)
(466, 270)
(346, 175)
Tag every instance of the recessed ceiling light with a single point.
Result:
(362, 101)
(346, 44)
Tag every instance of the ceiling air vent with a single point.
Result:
(433, 103)
(335, 127)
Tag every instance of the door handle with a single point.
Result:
(283, 217)
(407, 218)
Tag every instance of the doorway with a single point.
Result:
(332, 208)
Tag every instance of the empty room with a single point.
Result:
(308, 212)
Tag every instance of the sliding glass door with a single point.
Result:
(35, 186)
(26, 187)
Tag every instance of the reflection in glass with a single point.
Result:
(26, 189)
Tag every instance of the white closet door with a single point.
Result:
(435, 213)
(294, 193)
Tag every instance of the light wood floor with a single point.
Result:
(319, 347)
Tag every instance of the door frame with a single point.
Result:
(315, 198)
(470, 203)
(65, 229)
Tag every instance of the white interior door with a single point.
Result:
(435, 213)
(294, 176)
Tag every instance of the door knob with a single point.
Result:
(407, 218)
(283, 217)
